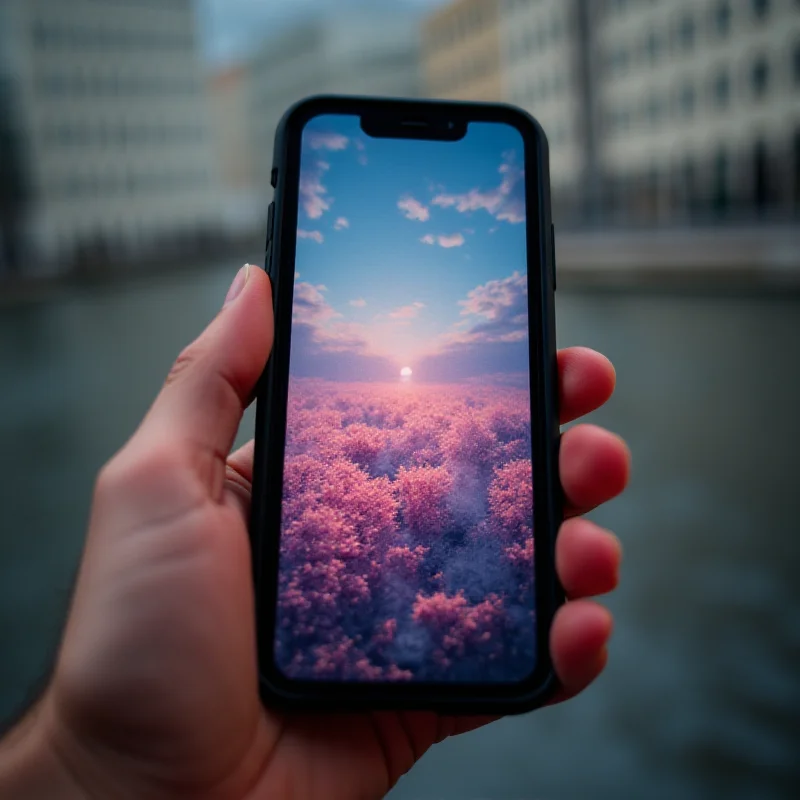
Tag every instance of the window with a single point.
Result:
(653, 47)
(760, 9)
(797, 63)
(653, 110)
(686, 33)
(760, 77)
(722, 18)
(686, 100)
(722, 89)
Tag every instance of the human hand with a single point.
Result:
(155, 692)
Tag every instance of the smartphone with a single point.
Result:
(406, 497)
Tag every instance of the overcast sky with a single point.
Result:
(231, 27)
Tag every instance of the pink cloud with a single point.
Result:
(315, 236)
(506, 202)
(359, 302)
(407, 312)
(456, 240)
(413, 209)
(310, 306)
(313, 195)
(341, 224)
(320, 140)
(495, 299)
(490, 339)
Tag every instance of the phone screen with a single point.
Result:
(406, 542)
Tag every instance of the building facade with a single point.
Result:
(545, 47)
(655, 110)
(352, 50)
(461, 52)
(700, 103)
(113, 148)
(235, 155)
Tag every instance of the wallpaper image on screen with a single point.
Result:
(406, 550)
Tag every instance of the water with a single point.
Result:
(701, 698)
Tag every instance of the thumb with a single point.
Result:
(197, 413)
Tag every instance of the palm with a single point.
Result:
(157, 673)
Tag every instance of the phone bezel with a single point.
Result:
(276, 689)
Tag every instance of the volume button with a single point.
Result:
(270, 224)
(553, 254)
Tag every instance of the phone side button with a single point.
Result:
(553, 254)
(270, 224)
(268, 260)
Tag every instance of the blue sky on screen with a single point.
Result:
(410, 255)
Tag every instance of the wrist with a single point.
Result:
(30, 767)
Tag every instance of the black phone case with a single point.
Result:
(276, 690)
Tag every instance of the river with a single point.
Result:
(701, 698)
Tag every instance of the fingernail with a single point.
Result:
(238, 284)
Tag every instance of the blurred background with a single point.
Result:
(135, 153)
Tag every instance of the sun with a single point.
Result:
(406, 372)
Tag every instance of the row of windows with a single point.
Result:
(110, 186)
(466, 23)
(473, 68)
(122, 135)
(759, 76)
(98, 86)
(50, 36)
(542, 87)
(165, 5)
(758, 9)
(681, 39)
(683, 101)
(539, 38)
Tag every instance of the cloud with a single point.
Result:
(341, 224)
(359, 302)
(413, 209)
(456, 240)
(313, 195)
(325, 346)
(362, 156)
(494, 299)
(506, 202)
(492, 337)
(407, 312)
(309, 306)
(315, 236)
(322, 140)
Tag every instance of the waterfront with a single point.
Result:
(701, 697)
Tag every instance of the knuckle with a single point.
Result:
(158, 469)
(187, 358)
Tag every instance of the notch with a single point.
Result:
(403, 125)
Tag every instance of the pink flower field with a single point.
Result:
(406, 544)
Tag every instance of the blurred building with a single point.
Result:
(362, 49)
(461, 51)
(656, 110)
(546, 48)
(110, 132)
(234, 151)
(700, 105)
